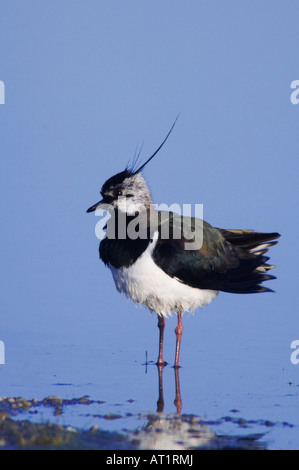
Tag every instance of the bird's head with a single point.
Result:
(127, 191)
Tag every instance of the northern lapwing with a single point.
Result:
(161, 271)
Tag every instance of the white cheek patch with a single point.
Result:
(129, 205)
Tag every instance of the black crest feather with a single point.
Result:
(134, 172)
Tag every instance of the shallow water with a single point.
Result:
(228, 395)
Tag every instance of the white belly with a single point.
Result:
(147, 284)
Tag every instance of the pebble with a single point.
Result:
(52, 400)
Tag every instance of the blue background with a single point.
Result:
(85, 82)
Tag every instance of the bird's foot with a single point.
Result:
(161, 363)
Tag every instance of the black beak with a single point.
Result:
(95, 206)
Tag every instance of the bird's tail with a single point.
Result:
(252, 247)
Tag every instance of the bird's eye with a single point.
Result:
(119, 192)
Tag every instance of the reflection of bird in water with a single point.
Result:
(184, 432)
(178, 399)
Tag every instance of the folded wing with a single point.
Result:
(223, 260)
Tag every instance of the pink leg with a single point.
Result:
(178, 331)
(161, 326)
